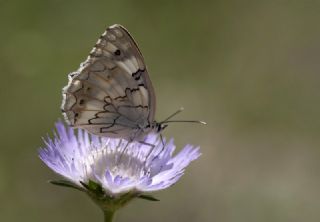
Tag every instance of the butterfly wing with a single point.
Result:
(111, 93)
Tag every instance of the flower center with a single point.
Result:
(126, 164)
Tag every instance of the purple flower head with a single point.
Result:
(116, 165)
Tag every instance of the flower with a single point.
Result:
(114, 167)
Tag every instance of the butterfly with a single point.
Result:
(111, 93)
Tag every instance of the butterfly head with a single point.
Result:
(159, 127)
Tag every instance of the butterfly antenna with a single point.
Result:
(172, 115)
(185, 121)
(180, 121)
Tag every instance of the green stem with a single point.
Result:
(108, 216)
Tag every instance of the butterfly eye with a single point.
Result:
(81, 102)
(117, 52)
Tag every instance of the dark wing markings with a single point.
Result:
(137, 75)
(137, 106)
(126, 89)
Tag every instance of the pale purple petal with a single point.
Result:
(117, 165)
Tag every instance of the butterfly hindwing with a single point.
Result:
(111, 93)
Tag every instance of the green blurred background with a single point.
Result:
(248, 68)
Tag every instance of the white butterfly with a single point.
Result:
(111, 93)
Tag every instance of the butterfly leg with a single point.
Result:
(162, 148)
(123, 151)
(130, 140)
(148, 144)
(151, 150)
(153, 146)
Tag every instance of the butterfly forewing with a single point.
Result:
(111, 93)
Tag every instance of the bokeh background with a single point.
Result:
(248, 68)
